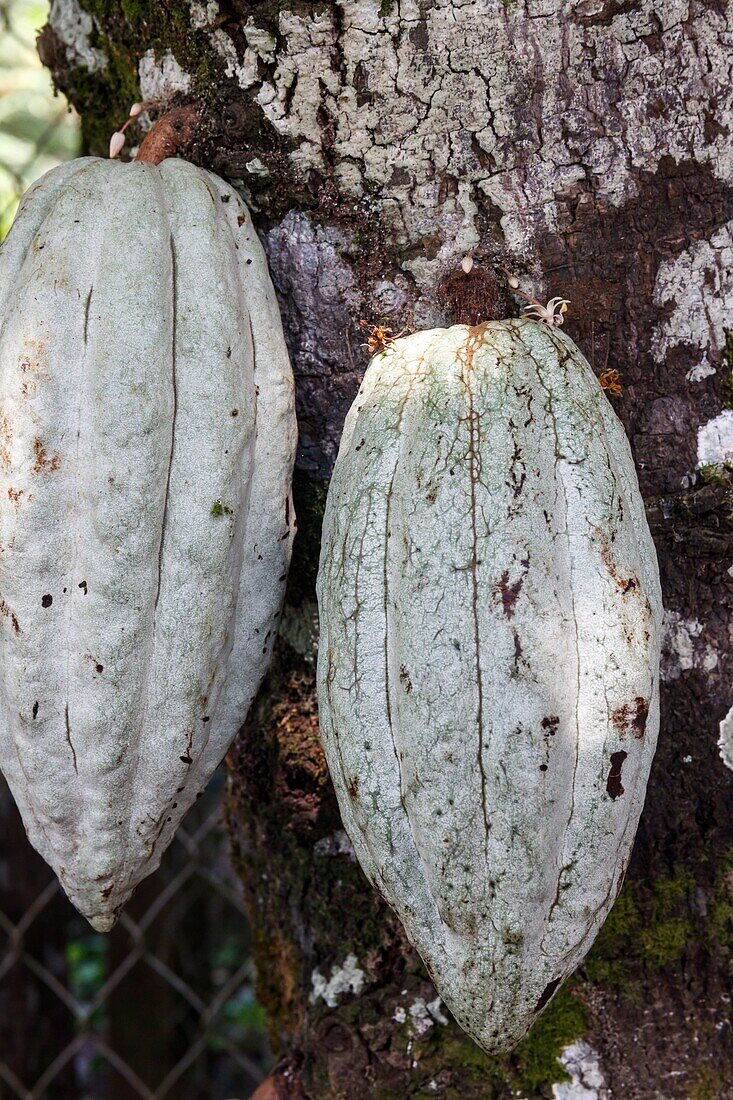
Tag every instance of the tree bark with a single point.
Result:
(586, 148)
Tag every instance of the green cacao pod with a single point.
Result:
(488, 666)
(147, 436)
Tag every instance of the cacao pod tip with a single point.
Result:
(102, 922)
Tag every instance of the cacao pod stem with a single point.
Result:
(171, 135)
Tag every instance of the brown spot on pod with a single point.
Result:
(632, 717)
(508, 592)
(625, 584)
(614, 786)
(42, 463)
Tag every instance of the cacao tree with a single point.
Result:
(585, 149)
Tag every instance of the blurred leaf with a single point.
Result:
(37, 131)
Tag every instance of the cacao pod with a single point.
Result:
(488, 667)
(147, 437)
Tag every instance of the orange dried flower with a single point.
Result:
(611, 382)
(379, 337)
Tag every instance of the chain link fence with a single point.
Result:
(163, 1006)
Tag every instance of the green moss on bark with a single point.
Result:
(707, 1085)
(719, 924)
(125, 32)
(715, 473)
(653, 922)
(650, 925)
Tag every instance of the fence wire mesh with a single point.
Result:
(163, 1006)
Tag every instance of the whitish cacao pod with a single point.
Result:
(147, 437)
(488, 666)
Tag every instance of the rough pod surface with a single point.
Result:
(488, 665)
(147, 437)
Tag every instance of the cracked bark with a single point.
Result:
(586, 147)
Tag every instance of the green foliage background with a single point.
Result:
(38, 130)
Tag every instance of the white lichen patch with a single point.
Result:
(696, 289)
(420, 1015)
(256, 167)
(336, 844)
(437, 108)
(161, 79)
(725, 743)
(262, 42)
(715, 440)
(349, 978)
(586, 1082)
(424, 1015)
(701, 370)
(203, 14)
(683, 647)
(244, 70)
(73, 26)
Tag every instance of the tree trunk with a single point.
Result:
(586, 148)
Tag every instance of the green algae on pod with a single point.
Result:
(488, 666)
(147, 438)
